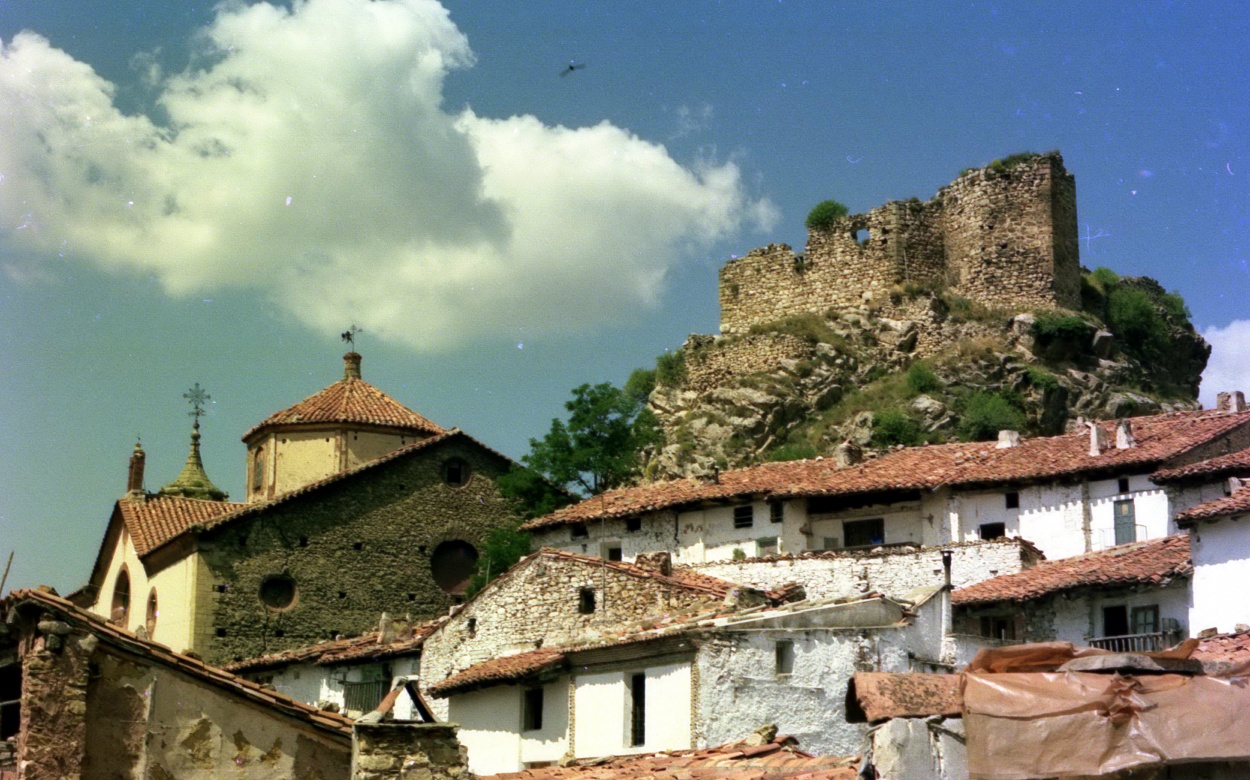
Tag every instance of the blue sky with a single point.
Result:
(200, 193)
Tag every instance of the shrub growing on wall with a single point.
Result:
(824, 214)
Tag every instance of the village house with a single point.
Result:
(356, 506)
(1220, 548)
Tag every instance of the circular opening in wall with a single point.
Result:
(278, 592)
(452, 564)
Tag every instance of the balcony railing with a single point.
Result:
(364, 696)
(1134, 643)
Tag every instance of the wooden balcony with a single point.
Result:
(1134, 643)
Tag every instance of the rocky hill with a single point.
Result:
(940, 368)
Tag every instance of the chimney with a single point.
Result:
(134, 481)
(658, 562)
(1238, 401)
(847, 454)
(351, 365)
(1008, 439)
(1124, 439)
(1097, 439)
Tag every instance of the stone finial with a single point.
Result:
(351, 365)
(134, 480)
(1008, 439)
(193, 482)
(847, 454)
(1097, 439)
(659, 562)
(1124, 438)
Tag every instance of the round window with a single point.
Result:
(278, 592)
(452, 564)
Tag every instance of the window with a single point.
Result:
(1013, 500)
(456, 472)
(998, 626)
(150, 622)
(613, 553)
(784, 657)
(258, 469)
(278, 592)
(637, 710)
(864, 533)
(472, 626)
(532, 709)
(1125, 522)
(766, 546)
(1122, 485)
(993, 530)
(121, 598)
(633, 524)
(452, 564)
(1146, 619)
(578, 531)
(585, 601)
(776, 512)
(1115, 620)
(744, 516)
(10, 700)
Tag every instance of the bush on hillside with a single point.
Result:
(985, 414)
(824, 214)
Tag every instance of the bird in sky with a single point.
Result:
(572, 66)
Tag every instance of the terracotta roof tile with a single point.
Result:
(1237, 503)
(1153, 562)
(365, 647)
(1159, 438)
(334, 723)
(351, 401)
(883, 695)
(736, 760)
(155, 520)
(1230, 465)
(508, 668)
(1228, 648)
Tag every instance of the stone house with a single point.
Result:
(1067, 494)
(357, 506)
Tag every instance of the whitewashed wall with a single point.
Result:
(602, 711)
(1221, 556)
(490, 728)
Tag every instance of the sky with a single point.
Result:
(211, 193)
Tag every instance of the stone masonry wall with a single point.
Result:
(1002, 238)
(355, 549)
(709, 361)
(53, 733)
(536, 605)
(893, 571)
(407, 751)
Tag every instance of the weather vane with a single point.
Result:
(197, 398)
(349, 336)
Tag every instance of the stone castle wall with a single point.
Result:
(710, 362)
(1003, 238)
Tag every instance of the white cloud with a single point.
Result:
(313, 160)
(1229, 367)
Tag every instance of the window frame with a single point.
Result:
(744, 516)
(532, 703)
(849, 526)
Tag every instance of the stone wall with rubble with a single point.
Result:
(354, 549)
(1002, 237)
(711, 361)
(890, 571)
(536, 604)
(407, 751)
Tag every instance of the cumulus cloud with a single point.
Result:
(1229, 366)
(313, 160)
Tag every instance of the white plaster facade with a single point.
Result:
(291, 457)
(1221, 556)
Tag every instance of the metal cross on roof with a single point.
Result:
(349, 336)
(197, 398)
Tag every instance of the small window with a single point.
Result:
(864, 533)
(221, 633)
(578, 531)
(278, 592)
(121, 598)
(614, 553)
(1013, 500)
(472, 626)
(456, 472)
(10, 700)
(1115, 620)
(586, 601)
(1122, 485)
(533, 714)
(638, 710)
(633, 524)
(744, 516)
(998, 627)
(150, 621)
(993, 531)
(358, 546)
(258, 469)
(785, 657)
(776, 512)
(303, 541)
(766, 546)
(1146, 619)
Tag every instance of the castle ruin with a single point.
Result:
(1003, 236)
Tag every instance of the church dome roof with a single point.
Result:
(350, 401)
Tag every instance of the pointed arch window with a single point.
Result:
(120, 606)
(258, 469)
(150, 622)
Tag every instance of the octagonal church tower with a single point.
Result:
(349, 423)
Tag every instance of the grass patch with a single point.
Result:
(792, 451)
(824, 214)
(1042, 379)
(809, 327)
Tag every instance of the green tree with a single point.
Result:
(501, 549)
(598, 448)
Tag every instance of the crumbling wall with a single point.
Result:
(391, 751)
(353, 550)
(710, 362)
(53, 733)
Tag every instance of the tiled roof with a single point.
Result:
(506, 668)
(1228, 648)
(156, 519)
(1155, 562)
(1235, 504)
(1158, 439)
(1230, 465)
(680, 577)
(365, 647)
(883, 695)
(333, 723)
(351, 401)
(778, 758)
